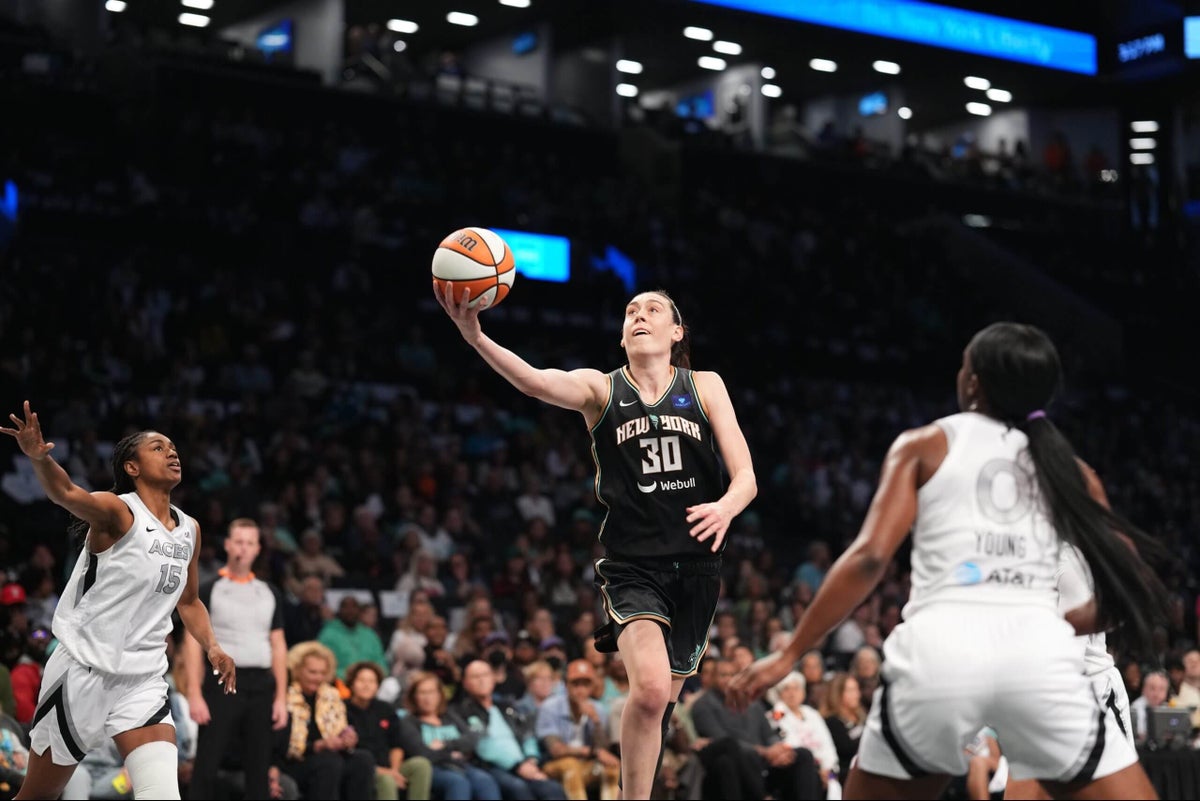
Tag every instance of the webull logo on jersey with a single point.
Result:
(663, 422)
(172, 550)
(668, 485)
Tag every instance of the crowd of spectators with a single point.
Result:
(244, 270)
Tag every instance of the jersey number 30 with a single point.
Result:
(661, 454)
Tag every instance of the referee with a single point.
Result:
(247, 616)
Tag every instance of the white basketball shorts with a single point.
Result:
(79, 707)
(953, 669)
(1109, 687)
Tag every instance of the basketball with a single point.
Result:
(476, 259)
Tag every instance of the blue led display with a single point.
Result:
(940, 26)
(539, 256)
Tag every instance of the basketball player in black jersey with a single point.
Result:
(656, 426)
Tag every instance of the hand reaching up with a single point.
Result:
(28, 434)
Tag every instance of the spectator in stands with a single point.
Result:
(378, 730)
(1189, 687)
(406, 649)
(812, 667)
(350, 639)
(573, 731)
(801, 726)
(507, 748)
(507, 677)
(438, 660)
(41, 599)
(812, 571)
(845, 716)
(318, 746)
(541, 682)
(440, 735)
(1155, 692)
(421, 575)
(312, 560)
(788, 772)
(851, 634)
(864, 667)
(304, 618)
(27, 674)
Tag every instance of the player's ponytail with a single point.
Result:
(123, 451)
(1019, 372)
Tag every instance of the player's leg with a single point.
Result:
(44, 779)
(152, 759)
(1129, 782)
(143, 729)
(68, 721)
(860, 784)
(644, 650)
(1025, 790)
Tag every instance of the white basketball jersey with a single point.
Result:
(981, 535)
(1075, 587)
(115, 613)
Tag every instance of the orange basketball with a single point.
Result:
(476, 259)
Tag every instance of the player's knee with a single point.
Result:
(154, 770)
(650, 696)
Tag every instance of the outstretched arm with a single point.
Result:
(857, 571)
(103, 511)
(583, 390)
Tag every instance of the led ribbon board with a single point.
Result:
(940, 26)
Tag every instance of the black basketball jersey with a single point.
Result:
(653, 460)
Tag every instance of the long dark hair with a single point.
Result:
(124, 451)
(681, 351)
(1019, 372)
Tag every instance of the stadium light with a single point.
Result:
(727, 48)
(201, 5)
(904, 113)
(629, 67)
(462, 18)
(515, 3)
(699, 34)
(823, 65)
(711, 62)
(402, 26)
(1141, 158)
(1144, 126)
(975, 82)
(999, 95)
(194, 20)
(1143, 143)
(887, 67)
(115, 6)
(768, 73)
(981, 109)
(771, 90)
(627, 90)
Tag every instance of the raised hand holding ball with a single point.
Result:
(478, 261)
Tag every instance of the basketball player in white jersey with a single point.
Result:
(989, 495)
(107, 676)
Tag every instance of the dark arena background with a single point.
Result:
(217, 220)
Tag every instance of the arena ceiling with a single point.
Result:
(650, 32)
